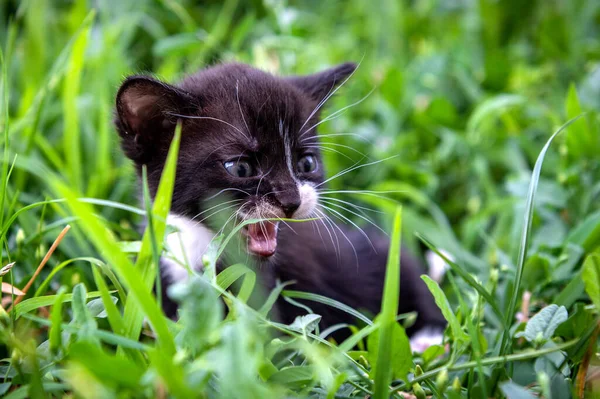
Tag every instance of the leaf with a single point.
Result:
(96, 307)
(591, 278)
(106, 367)
(401, 360)
(442, 302)
(587, 233)
(200, 311)
(82, 316)
(514, 391)
(306, 324)
(293, 376)
(35, 303)
(544, 323)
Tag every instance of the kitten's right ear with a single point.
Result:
(319, 85)
(146, 115)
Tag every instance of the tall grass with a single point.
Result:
(465, 97)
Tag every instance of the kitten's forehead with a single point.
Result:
(250, 99)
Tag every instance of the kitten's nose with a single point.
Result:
(288, 198)
(290, 208)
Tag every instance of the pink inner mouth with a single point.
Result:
(262, 238)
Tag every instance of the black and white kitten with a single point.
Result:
(252, 136)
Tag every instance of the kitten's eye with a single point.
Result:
(307, 164)
(238, 168)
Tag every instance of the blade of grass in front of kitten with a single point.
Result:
(138, 296)
(327, 301)
(525, 235)
(389, 309)
(145, 263)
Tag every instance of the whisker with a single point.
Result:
(209, 118)
(237, 95)
(343, 234)
(351, 204)
(328, 96)
(363, 217)
(216, 206)
(351, 222)
(355, 167)
(324, 218)
(337, 113)
(360, 137)
(328, 143)
(331, 150)
(228, 189)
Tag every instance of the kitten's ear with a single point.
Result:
(142, 100)
(145, 114)
(321, 84)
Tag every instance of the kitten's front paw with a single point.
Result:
(425, 338)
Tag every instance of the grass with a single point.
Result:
(460, 98)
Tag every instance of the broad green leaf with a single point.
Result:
(200, 311)
(116, 370)
(293, 376)
(306, 323)
(543, 324)
(587, 233)
(442, 302)
(591, 278)
(82, 316)
(514, 391)
(401, 360)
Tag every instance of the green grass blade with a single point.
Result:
(389, 309)
(55, 335)
(137, 293)
(145, 264)
(35, 303)
(327, 301)
(525, 234)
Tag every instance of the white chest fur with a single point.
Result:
(185, 247)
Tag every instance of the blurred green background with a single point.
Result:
(464, 92)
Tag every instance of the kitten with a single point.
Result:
(252, 136)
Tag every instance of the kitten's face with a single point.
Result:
(248, 143)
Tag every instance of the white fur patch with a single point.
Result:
(437, 265)
(185, 246)
(308, 201)
(425, 338)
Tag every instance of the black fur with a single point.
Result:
(231, 111)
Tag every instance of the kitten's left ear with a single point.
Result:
(321, 84)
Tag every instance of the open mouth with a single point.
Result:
(262, 238)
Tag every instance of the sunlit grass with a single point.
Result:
(464, 100)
